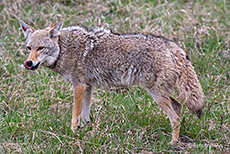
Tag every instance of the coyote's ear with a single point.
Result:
(55, 30)
(25, 28)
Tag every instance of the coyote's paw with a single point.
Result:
(84, 117)
(74, 126)
(172, 142)
(79, 122)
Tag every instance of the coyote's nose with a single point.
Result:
(28, 64)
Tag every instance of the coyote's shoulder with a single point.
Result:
(100, 58)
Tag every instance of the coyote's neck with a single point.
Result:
(72, 44)
(75, 44)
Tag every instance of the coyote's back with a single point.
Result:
(100, 58)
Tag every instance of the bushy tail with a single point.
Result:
(189, 88)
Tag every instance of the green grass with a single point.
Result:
(35, 107)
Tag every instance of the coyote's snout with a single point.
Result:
(101, 58)
(30, 65)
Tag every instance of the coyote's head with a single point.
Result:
(42, 45)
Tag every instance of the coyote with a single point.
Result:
(98, 57)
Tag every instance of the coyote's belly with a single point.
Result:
(110, 77)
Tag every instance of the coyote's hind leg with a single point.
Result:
(176, 106)
(166, 104)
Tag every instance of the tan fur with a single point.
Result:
(101, 58)
(33, 55)
(77, 106)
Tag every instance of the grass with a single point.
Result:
(35, 107)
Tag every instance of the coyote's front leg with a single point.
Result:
(81, 106)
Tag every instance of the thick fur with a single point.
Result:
(100, 58)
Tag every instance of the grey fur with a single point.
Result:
(101, 58)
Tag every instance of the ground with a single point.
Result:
(35, 106)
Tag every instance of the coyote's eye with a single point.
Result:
(28, 48)
(40, 48)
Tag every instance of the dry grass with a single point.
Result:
(36, 106)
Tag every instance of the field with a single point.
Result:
(36, 106)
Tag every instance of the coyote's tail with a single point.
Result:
(189, 88)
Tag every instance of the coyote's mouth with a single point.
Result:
(31, 67)
(35, 67)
